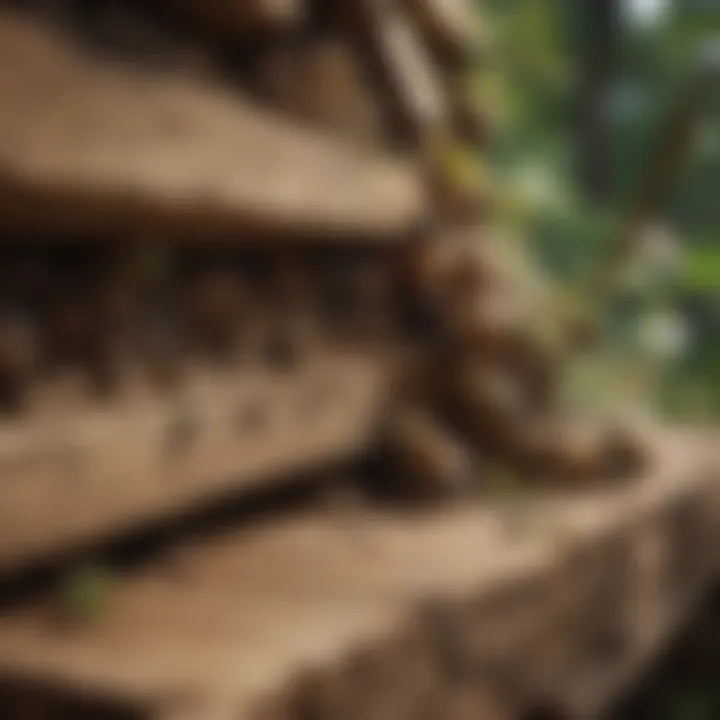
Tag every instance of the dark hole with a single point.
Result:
(544, 712)
(282, 351)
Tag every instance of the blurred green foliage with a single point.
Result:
(528, 82)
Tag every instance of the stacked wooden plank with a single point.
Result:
(335, 139)
(107, 159)
(449, 615)
(314, 125)
(91, 147)
(372, 70)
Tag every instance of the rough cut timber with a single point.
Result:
(414, 82)
(446, 25)
(85, 147)
(72, 474)
(470, 123)
(322, 81)
(395, 617)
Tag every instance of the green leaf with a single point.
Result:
(84, 594)
(701, 268)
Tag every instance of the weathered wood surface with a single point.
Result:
(72, 473)
(447, 26)
(323, 82)
(89, 147)
(531, 601)
(414, 82)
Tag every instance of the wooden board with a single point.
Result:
(222, 629)
(90, 147)
(322, 82)
(72, 473)
(446, 25)
(409, 73)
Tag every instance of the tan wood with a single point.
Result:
(75, 472)
(86, 146)
(231, 623)
(447, 25)
(323, 83)
(412, 78)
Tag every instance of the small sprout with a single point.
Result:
(505, 483)
(509, 488)
(458, 166)
(84, 595)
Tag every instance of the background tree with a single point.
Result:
(627, 62)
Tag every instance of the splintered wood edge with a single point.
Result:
(128, 151)
(69, 475)
(338, 623)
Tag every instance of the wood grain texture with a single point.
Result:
(251, 618)
(73, 473)
(141, 152)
